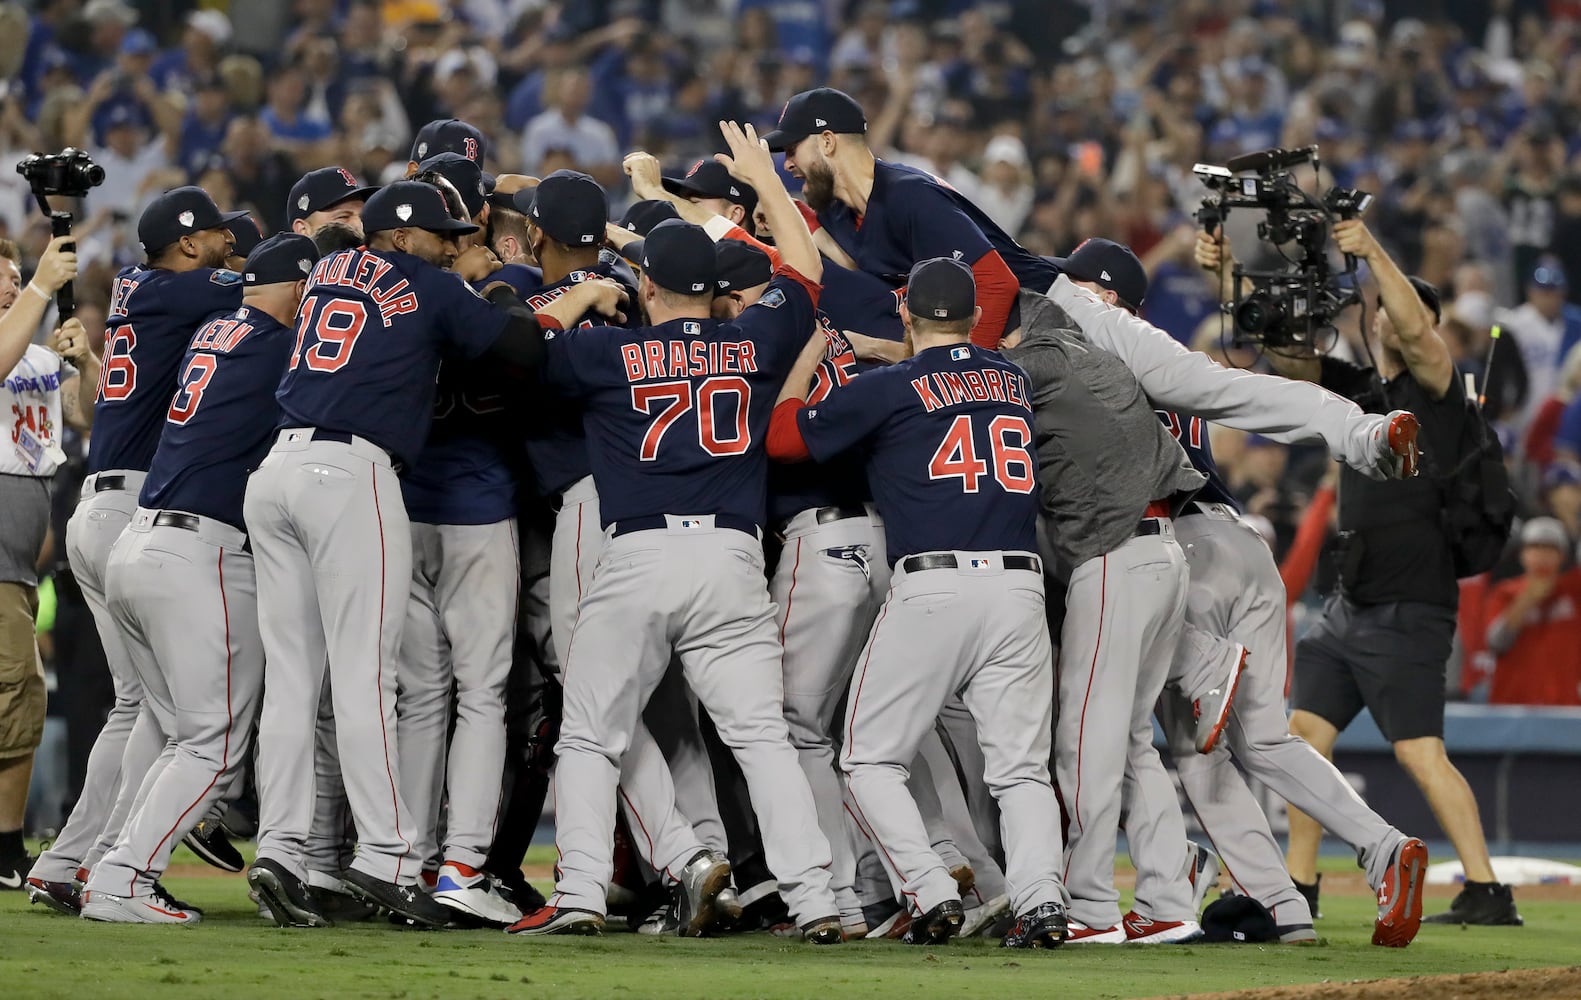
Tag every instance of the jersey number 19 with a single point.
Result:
(336, 325)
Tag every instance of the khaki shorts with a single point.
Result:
(22, 694)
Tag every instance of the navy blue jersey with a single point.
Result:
(369, 336)
(913, 215)
(153, 314)
(676, 414)
(467, 470)
(856, 300)
(220, 423)
(841, 482)
(523, 279)
(556, 442)
(947, 436)
(1192, 433)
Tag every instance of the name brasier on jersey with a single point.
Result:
(950, 457)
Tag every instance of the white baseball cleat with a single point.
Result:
(1202, 871)
(466, 890)
(982, 916)
(1079, 933)
(150, 908)
(1145, 930)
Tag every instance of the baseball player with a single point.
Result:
(41, 389)
(447, 135)
(507, 237)
(245, 237)
(461, 619)
(883, 217)
(675, 416)
(325, 195)
(154, 309)
(947, 437)
(331, 538)
(185, 553)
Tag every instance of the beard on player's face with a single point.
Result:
(818, 186)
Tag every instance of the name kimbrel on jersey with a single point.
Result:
(938, 390)
(366, 273)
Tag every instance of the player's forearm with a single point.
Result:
(791, 234)
(784, 442)
(867, 348)
(997, 288)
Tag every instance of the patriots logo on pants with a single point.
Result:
(854, 553)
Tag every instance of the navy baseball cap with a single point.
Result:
(1238, 919)
(449, 135)
(813, 111)
(282, 257)
(642, 216)
(1108, 265)
(323, 188)
(180, 212)
(411, 205)
(463, 174)
(677, 256)
(740, 265)
(569, 206)
(710, 179)
(245, 235)
(1549, 273)
(941, 289)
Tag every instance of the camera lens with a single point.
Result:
(93, 174)
(1254, 314)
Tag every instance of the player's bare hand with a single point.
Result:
(618, 236)
(511, 183)
(58, 265)
(749, 158)
(1353, 237)
(1212, 250)
(598, 295)
(476, 263)
(646, 178)
(875, 349)
(70, 341)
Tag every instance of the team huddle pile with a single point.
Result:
(301, 525)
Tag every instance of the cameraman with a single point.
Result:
(1384, 637)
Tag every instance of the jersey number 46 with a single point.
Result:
(1008, 438)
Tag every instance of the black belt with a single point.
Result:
(828, 515)
(109, 483)
(1150, 526)
(189, 522)
(345, 437)
(626, 526)
(913, 564)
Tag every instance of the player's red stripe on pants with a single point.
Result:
(230, 718)
(395, 798)
(644, 828)
(790, 599)
(856, 699)
(1092, 671)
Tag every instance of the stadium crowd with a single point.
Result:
(1060, 119)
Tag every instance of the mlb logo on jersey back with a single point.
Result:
(960, 353)
(692, 328)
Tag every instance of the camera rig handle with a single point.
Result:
(66, 298)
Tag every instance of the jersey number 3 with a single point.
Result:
(721, 399)
(336, 325)
(1008, 437)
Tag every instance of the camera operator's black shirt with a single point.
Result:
(1399, 551)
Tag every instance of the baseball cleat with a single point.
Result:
(1145, 930)
(208, 841)
(1403, 428)
(1044, 926)
(1212, 710)
(1202, 871)
(411, 901)
(284, 895)
(965, 879)
(14, 872)
(466, 890)
(729, 904)
(513, 885)
(665, 920)
(1296, 934)
(702, 880)
(62, 897)
(558, 920)
(1077, 932)
(155, 907)
(1400, 896)
(938, 925)
(982, 916)
(330, 895)
(824, 930)
(1310, 892)
(1484, 904)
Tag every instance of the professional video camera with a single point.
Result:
(1288, 306)
(69, 173)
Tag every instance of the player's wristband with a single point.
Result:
(32, 286)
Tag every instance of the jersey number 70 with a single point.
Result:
(667, 402)
(1008, 437)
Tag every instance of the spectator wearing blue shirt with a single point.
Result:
(801, 26)
(567, 126)
(204, 126)
(197, 59)
(285, 115)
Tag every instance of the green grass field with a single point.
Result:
(234, 954)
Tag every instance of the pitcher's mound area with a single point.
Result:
(1516, 984)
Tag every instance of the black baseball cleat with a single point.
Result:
(1481, 904)
(285, 895)
(1044, 926)
(62, 897)
(513, 885)
(208, 841)
(409, 901)
(1310, 891)
(938, 925)
(13, 872)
